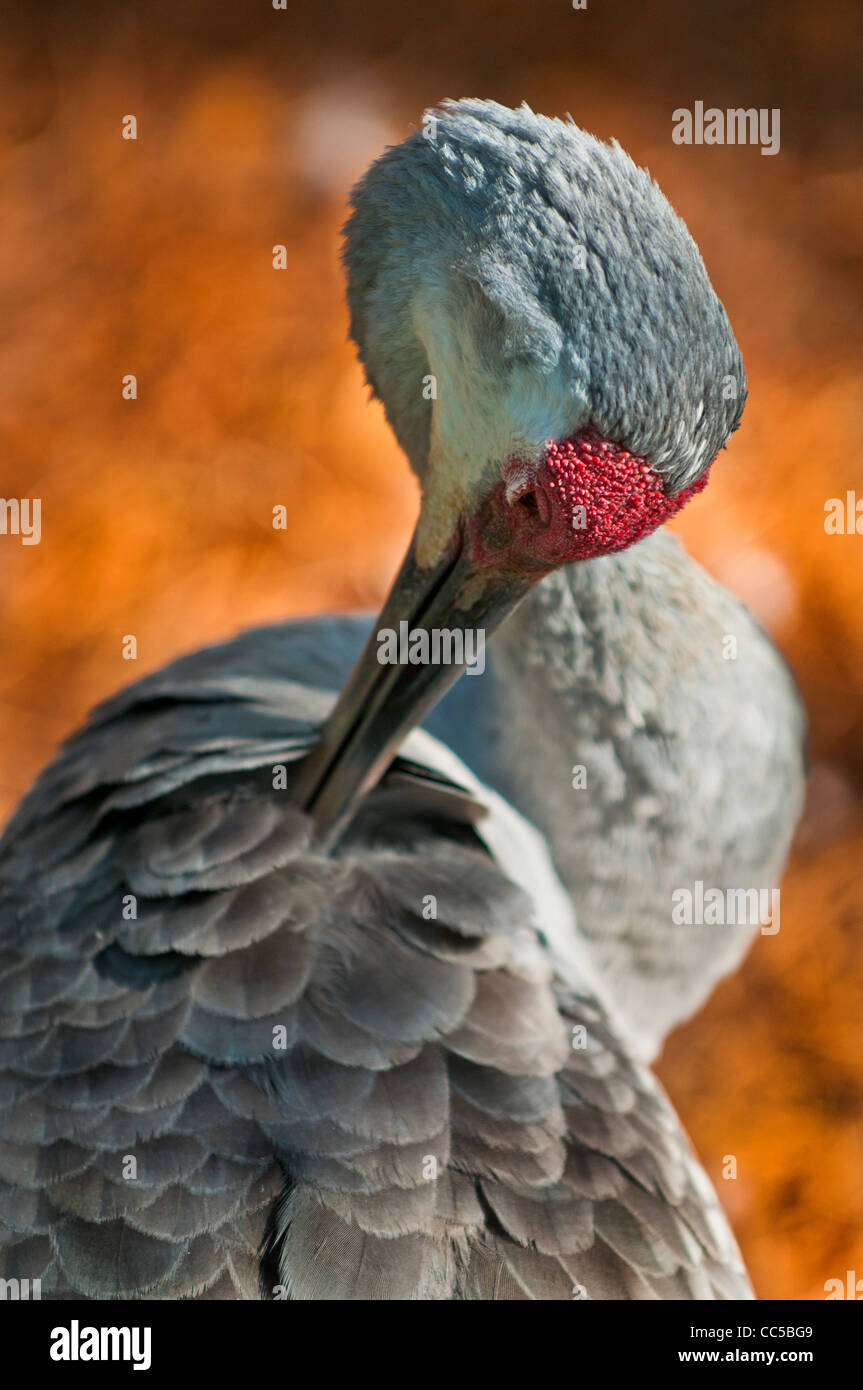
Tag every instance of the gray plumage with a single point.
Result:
(408, 1041)
(521, 253)
(328, 1088)
(694, 763)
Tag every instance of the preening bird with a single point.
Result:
(294, 1002)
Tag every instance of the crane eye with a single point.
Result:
(528, 503)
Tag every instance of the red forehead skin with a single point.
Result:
(607, 497)
(588, 497)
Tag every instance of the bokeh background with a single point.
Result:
(155, 258)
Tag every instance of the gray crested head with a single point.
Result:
(513, 280)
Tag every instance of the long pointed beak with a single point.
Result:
(458, 606)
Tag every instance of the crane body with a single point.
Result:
(298, 1003)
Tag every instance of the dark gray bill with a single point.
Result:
(381, 703)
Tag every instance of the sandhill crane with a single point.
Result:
(293, 1004)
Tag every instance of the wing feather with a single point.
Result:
(224, 1056)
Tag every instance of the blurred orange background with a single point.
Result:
(154, 257)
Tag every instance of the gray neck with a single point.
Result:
(691, 762)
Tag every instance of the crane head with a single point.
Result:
(541, 330)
